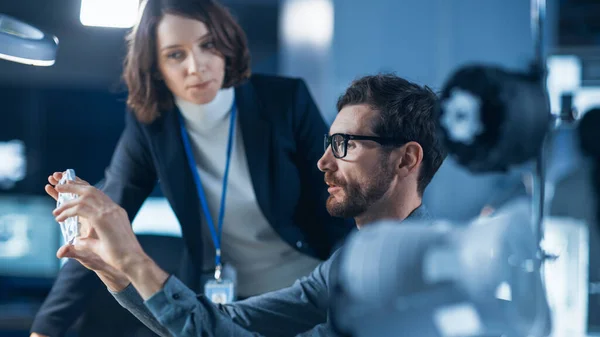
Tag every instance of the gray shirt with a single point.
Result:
(299, 310)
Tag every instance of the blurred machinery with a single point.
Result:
(451, 280)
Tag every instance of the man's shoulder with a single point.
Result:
(419, 214)
(328, 266)
(333, 257)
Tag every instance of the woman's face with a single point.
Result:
(188, 61)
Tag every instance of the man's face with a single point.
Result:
(364, 175)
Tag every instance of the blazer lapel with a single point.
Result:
(176, 180)
(256, 133)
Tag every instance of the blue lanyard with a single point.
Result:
(215, 230)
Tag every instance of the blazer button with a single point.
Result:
(175, 296)
(299, 244)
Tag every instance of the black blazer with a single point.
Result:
(282, 130)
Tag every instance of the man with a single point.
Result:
(380, 154)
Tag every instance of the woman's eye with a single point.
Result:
(175, 55)
(208, 45)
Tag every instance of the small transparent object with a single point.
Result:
(69, 227)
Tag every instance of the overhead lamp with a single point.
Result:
(23, 43)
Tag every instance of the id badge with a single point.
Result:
(219, 292)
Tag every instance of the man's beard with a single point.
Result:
(358, 199)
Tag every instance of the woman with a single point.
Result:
(201, 124)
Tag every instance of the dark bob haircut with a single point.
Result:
(148, 94)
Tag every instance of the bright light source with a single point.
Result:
(308, 22)
(564, 76)
(504, 292)
(14, 240)
(567, 277)
(13, 163)
(109, 13)
(458, 320)
(586, 99)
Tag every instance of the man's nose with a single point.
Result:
(327, 163)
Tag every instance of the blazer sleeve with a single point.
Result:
(128, 180)
(309, 130)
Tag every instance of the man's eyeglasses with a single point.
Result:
(339, 142)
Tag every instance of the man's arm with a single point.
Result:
(110, 238)
(131, 300)
(170, 304)
(288, 311)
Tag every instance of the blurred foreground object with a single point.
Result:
(491, 119)
(23, 43)
(413, 279)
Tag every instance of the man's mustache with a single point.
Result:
(330, 179)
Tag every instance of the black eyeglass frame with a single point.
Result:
(384, 141)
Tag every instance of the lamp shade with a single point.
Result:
(23, 43)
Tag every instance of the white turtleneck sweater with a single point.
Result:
(262, 260)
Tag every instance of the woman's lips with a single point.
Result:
(200, 86)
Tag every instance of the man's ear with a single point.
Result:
(409, 158)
